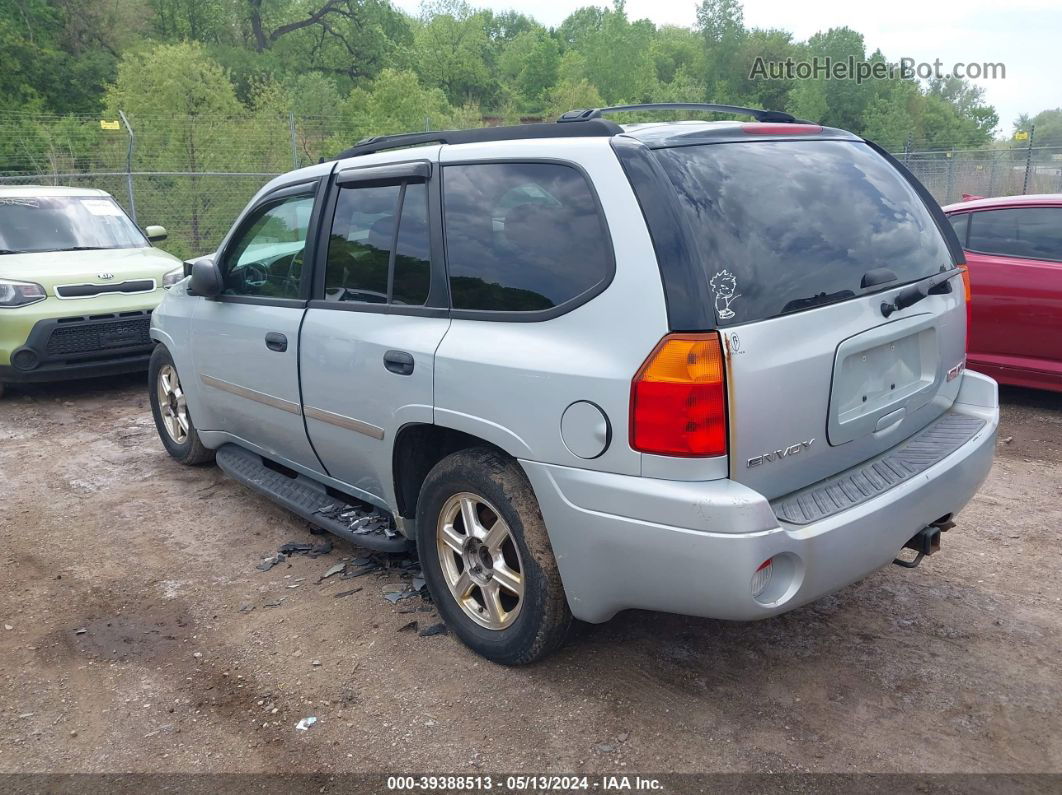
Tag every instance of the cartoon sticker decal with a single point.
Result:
(724, 287)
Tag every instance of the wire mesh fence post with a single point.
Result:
(129, 165)
(294, 140)
(907, 146)
(1028, 160)
(951, 176)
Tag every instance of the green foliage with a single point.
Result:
(243, 73)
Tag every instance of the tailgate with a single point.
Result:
(802, 242)
(818, 392)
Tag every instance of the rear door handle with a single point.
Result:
(276, 341)
(399, 362)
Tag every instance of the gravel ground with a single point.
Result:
(138, 635)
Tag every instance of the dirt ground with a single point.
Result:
(136, 634)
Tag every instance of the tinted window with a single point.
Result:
(521, 237)
(266, 257)
(783, 226)
(363, 237)
(1030, 232)
(960, 223)
(412, 263)
(359, 247)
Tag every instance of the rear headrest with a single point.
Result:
(381, 233)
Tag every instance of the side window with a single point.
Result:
(960, 223)
(266, 259)
(521, 237)
(1029, 232)
(362, 246)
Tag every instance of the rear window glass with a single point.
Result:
(1028, 232)
(521, 237)
(784, 226)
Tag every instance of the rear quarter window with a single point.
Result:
(522, 237)
(784, 226)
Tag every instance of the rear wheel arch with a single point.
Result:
(417, 449)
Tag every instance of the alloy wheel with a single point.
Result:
(480, 561)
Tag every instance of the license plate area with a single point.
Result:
(881, 376)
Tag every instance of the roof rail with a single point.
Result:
(380, 143)
(590, 114)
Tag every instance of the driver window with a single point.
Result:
(266, 259)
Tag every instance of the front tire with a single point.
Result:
(169, 407)
(487, 559)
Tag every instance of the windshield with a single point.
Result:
(65, 223)
(783, 226)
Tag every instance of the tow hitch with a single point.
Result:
(925, 542)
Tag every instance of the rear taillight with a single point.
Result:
(678, 398)
(965, 271)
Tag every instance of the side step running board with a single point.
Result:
(359, 523)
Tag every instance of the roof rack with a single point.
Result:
(591, 114)
(380, 143)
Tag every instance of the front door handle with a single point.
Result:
(276, 341)
(399, 362)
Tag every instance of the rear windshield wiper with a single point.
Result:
(913, 293)
(83, 248)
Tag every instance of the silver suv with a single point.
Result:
(712, 368)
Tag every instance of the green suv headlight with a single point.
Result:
(173, 277)
(14, 294)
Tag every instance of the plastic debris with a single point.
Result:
(394, 597)
(81, 631)
(338, 568)
(434, 629)
(269, 563)
(410, 627)
(305, 724)
(301, 548)
(352, 591)
(418, 583)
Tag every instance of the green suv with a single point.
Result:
(78, 282)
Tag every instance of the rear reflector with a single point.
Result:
(678, 398)
(756, 128)
(762, 577)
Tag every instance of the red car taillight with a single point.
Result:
(966, 289)
(678, 398)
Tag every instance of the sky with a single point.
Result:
(1024, 35)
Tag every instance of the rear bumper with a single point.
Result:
(629, 542)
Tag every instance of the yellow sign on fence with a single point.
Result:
(1021, 135)
(110, 125)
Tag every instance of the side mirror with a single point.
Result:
(155, 233)
(206, 279)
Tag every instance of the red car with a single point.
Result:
(1014, 252)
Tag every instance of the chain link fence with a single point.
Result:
(194, 175)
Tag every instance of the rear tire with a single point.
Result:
(497, 587)
(169, 407)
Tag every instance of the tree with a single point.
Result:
(187, 118)
(570, 94)
(722, 26)
(528, 64)
(395, 102)
(452, 52)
